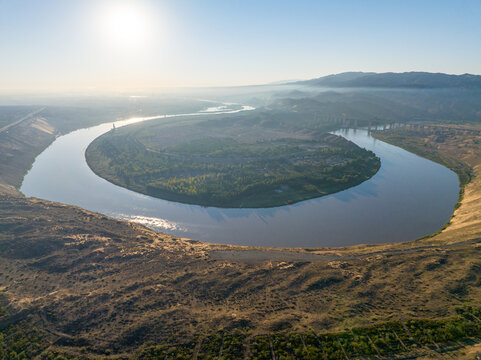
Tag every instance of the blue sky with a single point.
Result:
(63, 44)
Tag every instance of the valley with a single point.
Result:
(75, 278)
(240, 180)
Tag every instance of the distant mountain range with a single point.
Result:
(415, 80)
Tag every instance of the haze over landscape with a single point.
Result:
(240, 179)
(124, 45)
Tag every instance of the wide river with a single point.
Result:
(408, 198)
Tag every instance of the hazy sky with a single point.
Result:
(123, 44)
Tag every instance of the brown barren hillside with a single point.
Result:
(92, 286)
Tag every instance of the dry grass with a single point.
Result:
(108, 284)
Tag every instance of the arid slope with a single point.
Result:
(95, 285)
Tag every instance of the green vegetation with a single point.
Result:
(412, 143)
(385, 339)
(414, 337)
(229, 166)
(22, 341)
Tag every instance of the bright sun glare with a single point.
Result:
(125, 25)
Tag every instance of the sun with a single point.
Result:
(125, 25)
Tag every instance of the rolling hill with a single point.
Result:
(413, 80)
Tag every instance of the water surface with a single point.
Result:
(408, 198)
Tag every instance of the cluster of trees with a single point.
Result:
(422, 336)
(382, 340)
(223, 172)
(21, 341)
(215, 147)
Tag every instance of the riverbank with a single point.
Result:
(109, 286)
(94, 286)
(457, 147)
(341, 219)
(20, 144)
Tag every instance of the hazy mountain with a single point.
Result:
(336, 79)
(419, 80)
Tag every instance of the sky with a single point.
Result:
(121, 45)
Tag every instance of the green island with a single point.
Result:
(235, 161)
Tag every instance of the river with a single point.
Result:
(408, 198)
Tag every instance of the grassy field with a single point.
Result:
(229, 162)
